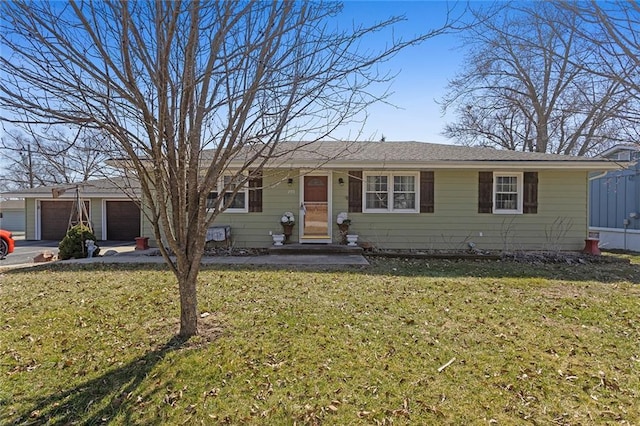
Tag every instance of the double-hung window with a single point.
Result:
(507, 192)
(235, 203)
(377, 192)
(391, 192)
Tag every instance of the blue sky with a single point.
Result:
(423, 71)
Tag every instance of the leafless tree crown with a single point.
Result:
(534, 81)
(52, 158)
(168, 81)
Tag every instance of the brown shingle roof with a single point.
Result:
(93, 188)
(335, 153)
(418, 151)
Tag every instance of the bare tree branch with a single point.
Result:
(529, 86)
(51, 158)
(183, 88)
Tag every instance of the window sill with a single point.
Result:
(233, 211)
(391, 211)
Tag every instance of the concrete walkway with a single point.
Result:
(126, 253)
(270, 259)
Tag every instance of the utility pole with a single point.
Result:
(30, 165)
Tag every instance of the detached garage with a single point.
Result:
(112, 213)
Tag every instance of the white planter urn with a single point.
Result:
(278, 239)
(352, 240)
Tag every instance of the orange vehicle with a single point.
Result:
(7, 243)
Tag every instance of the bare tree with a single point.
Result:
(186, 87)
(611, 28)
(525, 86)
(52, 158)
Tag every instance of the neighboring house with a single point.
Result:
(12, 215)
(615, 201)
(111, 212)
(412, 195)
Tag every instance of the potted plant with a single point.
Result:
(343, 222)
(278, 239)
(287, 221)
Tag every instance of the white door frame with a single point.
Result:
(329, 239)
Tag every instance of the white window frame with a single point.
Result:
(244, 190)
(519, 192)
(390, 195)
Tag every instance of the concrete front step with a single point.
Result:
(314, 249)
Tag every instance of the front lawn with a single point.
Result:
(400, 342)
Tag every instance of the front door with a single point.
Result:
(315, 208)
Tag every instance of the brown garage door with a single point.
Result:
(54, 218)
(123, 220)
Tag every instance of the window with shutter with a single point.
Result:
(508, 192)
(392, 192)
(234, 195)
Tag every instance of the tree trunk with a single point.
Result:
(187, 268)
(188, 305)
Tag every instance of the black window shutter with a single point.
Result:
(485, 192)
(255, 193)
(355, 191)
(427, 201)
(530, 198)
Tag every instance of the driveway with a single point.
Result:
(25, 251)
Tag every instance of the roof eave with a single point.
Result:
(84, 195)
(588, 165)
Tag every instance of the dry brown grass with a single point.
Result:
(530, 344)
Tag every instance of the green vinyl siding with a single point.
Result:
(30, 218)
(95, 216)
(340, 200)
(560, 224)
(252, 229)
(146, 229)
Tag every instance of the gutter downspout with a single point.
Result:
(598, 176)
